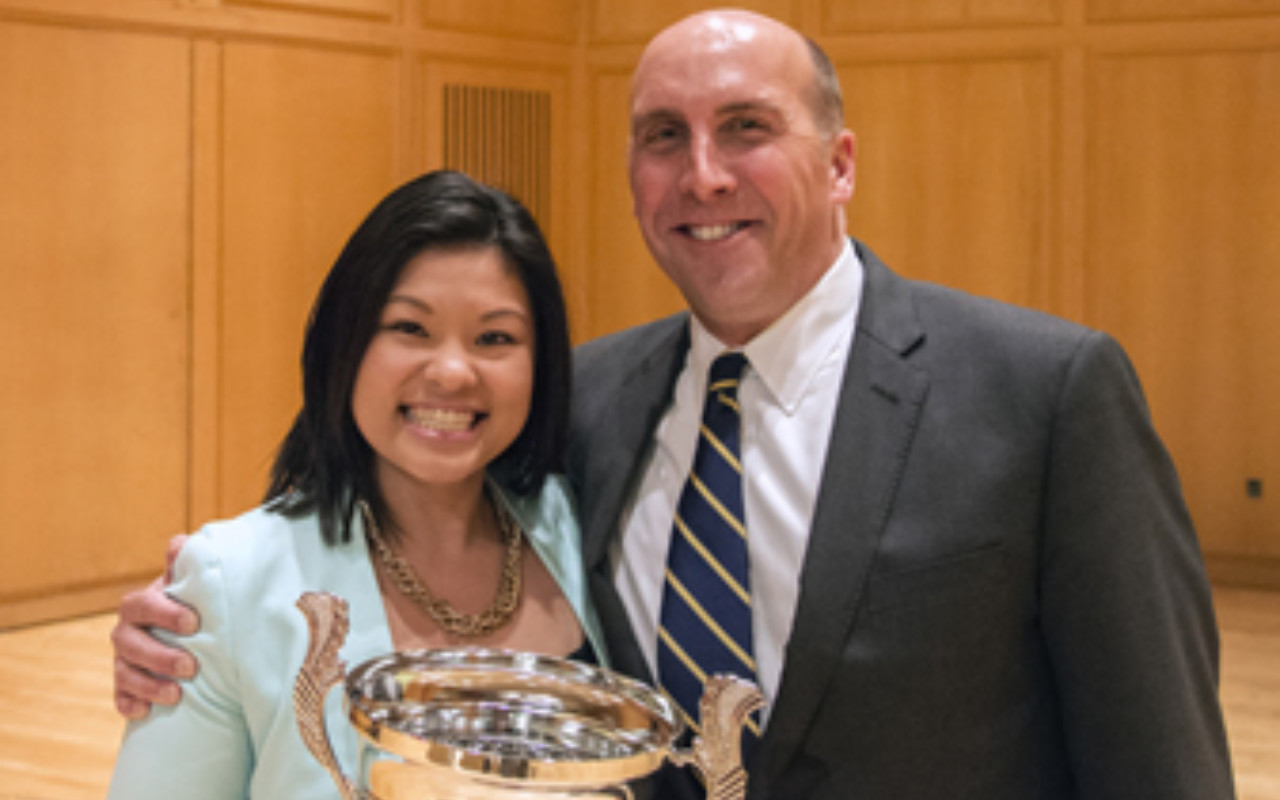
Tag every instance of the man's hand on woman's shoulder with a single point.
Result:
(145, 668)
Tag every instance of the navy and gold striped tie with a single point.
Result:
(705, 625)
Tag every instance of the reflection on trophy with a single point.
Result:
(472, 724)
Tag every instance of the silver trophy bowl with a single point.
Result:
(476, 724)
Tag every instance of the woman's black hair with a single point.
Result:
(324, 463)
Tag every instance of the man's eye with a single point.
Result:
(660, 135)
(745, 125)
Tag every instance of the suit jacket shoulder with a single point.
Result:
(1001, 571)
(925, 320)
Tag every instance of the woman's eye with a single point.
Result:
(493, 338)
(406, 326)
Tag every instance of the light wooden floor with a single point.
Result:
(58, 731)
(1250, 623)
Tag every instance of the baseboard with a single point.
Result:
(66, 603)
(1254, 572)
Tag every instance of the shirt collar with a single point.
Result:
(787, 355)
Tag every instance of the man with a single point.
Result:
(972, 574)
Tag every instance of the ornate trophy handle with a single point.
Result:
(727, 701)
(327, 621)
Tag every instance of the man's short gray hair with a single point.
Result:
(827, 102)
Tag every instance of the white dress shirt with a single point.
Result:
(788, 397)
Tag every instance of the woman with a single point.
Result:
(418, 482)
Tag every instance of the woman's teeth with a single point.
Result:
(441, 419)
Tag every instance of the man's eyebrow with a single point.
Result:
(656, 115)
(749, 105)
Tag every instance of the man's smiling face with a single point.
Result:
(737, 192)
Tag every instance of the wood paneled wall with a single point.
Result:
(94, 249)
(177, 175)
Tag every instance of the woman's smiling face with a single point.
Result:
(446, 383)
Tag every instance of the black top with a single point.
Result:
(585, 653)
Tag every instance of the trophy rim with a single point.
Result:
(558, 691)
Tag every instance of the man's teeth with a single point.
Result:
(707, 233)
(441, 419)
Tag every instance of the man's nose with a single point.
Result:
(707, 175)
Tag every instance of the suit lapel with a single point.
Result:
(614, 460)
(612, 466)
(879, 407)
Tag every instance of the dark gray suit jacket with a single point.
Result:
(1003, 596)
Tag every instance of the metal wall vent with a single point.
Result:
(502, 137)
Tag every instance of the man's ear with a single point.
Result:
(844, 160)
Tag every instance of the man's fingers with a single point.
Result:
(135, 687)
(144, 667)
(132, 709)
(140, 651)
(135, 691)
(151, 607)
(171, 554)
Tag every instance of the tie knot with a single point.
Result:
(726, 370)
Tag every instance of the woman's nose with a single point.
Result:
(450, 369)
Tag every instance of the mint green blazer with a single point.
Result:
(234, 735)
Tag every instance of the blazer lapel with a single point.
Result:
(878, 409)
(612, 466)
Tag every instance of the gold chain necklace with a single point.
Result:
(439, 609)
